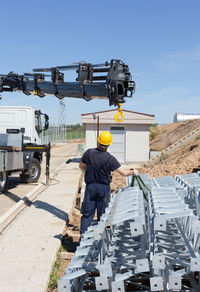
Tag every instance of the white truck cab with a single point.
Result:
(21, 126)
(23, 119)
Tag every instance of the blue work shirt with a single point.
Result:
(99, 165)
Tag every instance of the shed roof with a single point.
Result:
(108, 117)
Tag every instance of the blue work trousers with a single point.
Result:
(97, 196)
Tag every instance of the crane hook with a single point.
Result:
(120, 113)
(35, 92)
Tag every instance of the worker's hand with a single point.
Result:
(136, 172)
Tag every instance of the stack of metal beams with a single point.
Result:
(191, 182)
(139, 245)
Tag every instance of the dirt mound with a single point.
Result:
(164, 135)
(117, 181)
(183, 159)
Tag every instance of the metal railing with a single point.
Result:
(62, 134)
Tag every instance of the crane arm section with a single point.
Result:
(110, 81)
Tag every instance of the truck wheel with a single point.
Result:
(3, 181)
(34, 172)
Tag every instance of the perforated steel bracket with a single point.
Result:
(77, 264)
(76, 274)
(123, 277)
(142, 265)
(64, 285)
(81, 251)
(99, 231)
(159, 224)
(158, 261)
(136, 228)
(105, 270)
(101, 283)
(118, 286)
(156, 283)
(195, 264)
(86, 242)
(196, 226)
(175, 282)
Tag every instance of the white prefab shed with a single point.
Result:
(130, 137)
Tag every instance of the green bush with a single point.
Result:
(163, 156)
(153, 135)
(54, 276)
(153, 131)
(154, 125)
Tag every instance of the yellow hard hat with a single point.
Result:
(105, 138)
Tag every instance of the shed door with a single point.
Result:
(117, 148)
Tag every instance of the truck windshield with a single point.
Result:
(38, 125)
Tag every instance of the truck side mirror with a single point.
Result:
(22, 130)
(46, 124)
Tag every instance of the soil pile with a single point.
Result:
(184, 159)
(163, 136)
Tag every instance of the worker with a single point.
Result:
(98, 164)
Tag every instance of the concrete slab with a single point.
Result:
(29, 245)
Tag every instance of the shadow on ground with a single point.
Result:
(13, 182)
(74, 160)
(51, 209)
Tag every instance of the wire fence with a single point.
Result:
(63, 134)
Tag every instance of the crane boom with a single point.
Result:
(115, 84)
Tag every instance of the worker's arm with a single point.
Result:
(82, 165)
(126, 171)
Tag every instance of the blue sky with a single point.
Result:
(158, 39)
